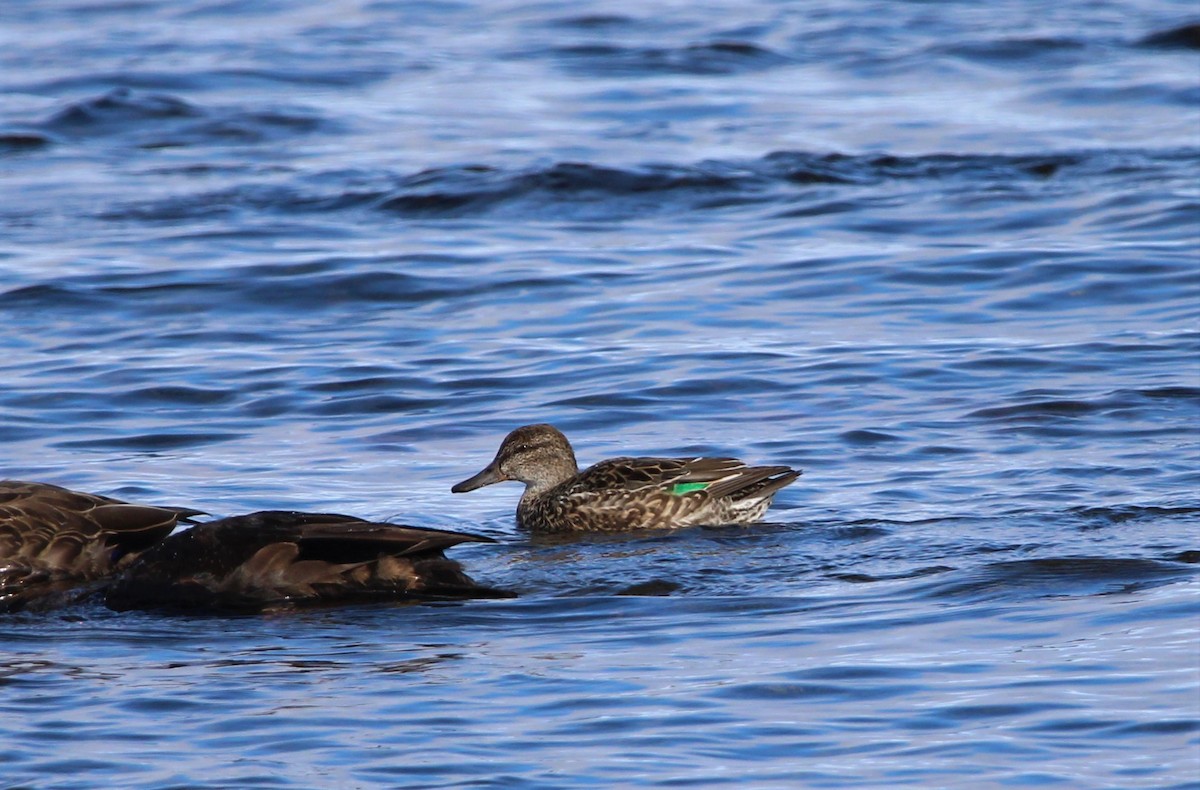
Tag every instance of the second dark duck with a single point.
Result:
(275, 560)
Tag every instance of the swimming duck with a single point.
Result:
(625, 493)
(55, 542)
(281, 559)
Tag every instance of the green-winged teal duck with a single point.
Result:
(280, 560)
(55, 542)
(625, 493)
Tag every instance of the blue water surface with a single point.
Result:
(945, 257)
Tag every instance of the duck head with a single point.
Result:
(537, 455)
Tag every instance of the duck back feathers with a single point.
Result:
(656, 493)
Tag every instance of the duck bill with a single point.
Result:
(490, 474)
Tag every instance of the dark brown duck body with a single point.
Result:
(283, 559)
(55, 543)
(626, 493)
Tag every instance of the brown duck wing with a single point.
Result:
(362, 537)
(45, 525)
(718, 477)
(278, 559)
(137, 527)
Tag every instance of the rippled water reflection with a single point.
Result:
(324, 256)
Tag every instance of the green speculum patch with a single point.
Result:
(683, 488)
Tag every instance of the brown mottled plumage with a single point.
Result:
(625, 493)
(55, 542)
(281, 559)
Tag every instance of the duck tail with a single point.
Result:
(755, 482)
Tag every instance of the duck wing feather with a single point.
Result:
(726, 477)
